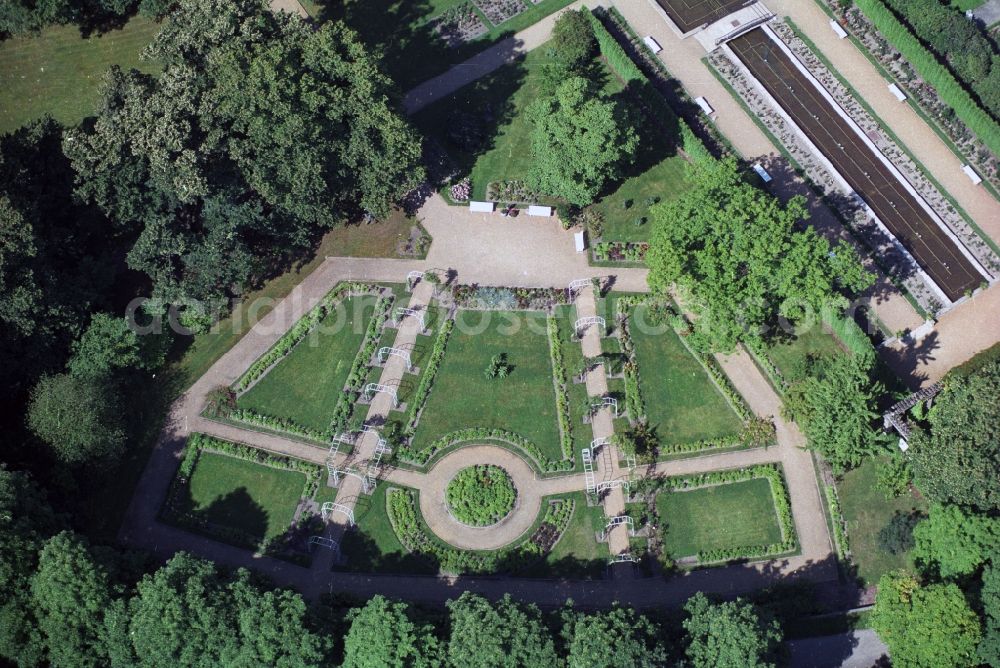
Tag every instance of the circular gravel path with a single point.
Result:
(434, 506)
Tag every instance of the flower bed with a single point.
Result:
(498, 11)
(481, 495)
(511, 192)
(415, 537)
(459, 25)
(621, 251)
(506, 299)
(427, 379)
(649, 487)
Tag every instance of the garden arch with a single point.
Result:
(386, 352)
(371, 389)
(607, 401)
(402, 312)
(412, 279)
(331, 507)
(324, 542)
(578, 285)
(620, 520)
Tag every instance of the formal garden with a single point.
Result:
(245, 497)
(713, 518)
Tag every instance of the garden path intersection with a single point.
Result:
(479, 250)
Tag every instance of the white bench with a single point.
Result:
(971, 173)
(761, 172)
(705, 106)
(482, 207)
(895, 90)
(653, 45)
(837, 28)
(536, 210)
(581, 242)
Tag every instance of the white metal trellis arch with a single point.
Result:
(402, 312)
(323, 541)
(371, 389)
(597, 443)
(385, 352)
(577, 285)
(367, 481)
(620, 520)
(588, 469)
(413, 278)
(331, 507)
(582, 324)
(612, 484)
(624, 557)
(607, 401)
(331, 456)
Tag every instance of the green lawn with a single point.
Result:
(965, 5)
(402, 30)
(867, 512)
(815, 341)
(254, 498)
(682, 403)
(59, 71)
(306, 385)
(463, 396)
(372, 546)
(577, 554)
(719, 517)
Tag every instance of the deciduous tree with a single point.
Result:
(731, 634)
(614, 638)
(502, 634)
(954, 542)
(79, 418)
(384, 633)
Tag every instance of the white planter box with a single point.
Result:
(482, 207)
(705, 106)
(837, 28)
(653, 45)
(536, 210)
(895, 90)
(971, 173)
(581, 241)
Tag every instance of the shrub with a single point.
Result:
(893, 477)
(573, 40)
(481, 495)
(896, 537)
(562, 392)
(461, 191)
(427, 380)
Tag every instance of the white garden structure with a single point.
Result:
(582, 324)
(403, 312)
(621, 520)
(588, 469)
(412, 279)
(596, 444)
(578, 285)
(330, 507)
(323, 541)
(624, 558)
(367, 481)
(331, 456)
(386, 352)
(612, 484)
(371, 389)
(610, 402)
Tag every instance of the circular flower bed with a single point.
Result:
(481, 495)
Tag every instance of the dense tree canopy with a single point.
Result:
(109, 344)
(384, 633)
(260, 132)
(989, 648)
(573, 42)
(580, 141)
(957, 459)
(834, 400)
(79, 418)
(614, 638)
(740, 259)
(18, 16)
(731, 634)
(954, 542)
(925, 626)
(502, 634)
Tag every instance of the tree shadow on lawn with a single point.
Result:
(234, 517)
(403, 34)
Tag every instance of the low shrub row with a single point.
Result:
(779, 491)
(412, 532)
(634, 406)
(480, 434)
(278, 424)
(429, 374)
(937, 75)
(848, 332)
(361, 365)
(300, 329)
(561, 378)
(838, 522)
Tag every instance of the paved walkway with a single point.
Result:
(857, 649)
(916, 135)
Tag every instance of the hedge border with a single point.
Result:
(479, 434)
(419, 540)
(560, 379)
(773, 473)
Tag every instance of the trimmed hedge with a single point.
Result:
(848, 332)
(278, 424)
(416, 538)
(933, 72)
(300, 330)
(561, 379)
(421, 457)
(430, 372)
(782, 507)
(838, 522)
